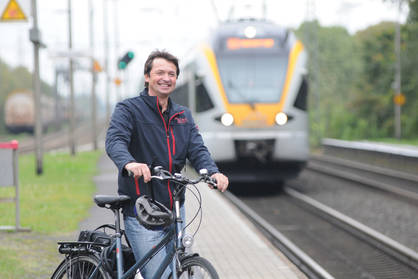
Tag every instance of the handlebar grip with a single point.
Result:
(211, 181)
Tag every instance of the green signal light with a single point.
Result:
(125, 60)
(122, 65)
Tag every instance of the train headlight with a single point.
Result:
(281, 118)
(250, 32)
(227, 119)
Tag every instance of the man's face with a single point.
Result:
(162, 78)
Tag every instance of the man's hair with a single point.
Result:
(160, 54)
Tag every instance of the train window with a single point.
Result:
(253, 78)
(181, 95)
(301, 98)
(203, 101)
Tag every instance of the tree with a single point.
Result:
(335, 64)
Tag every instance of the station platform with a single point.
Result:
(226, 238)
(401, 158)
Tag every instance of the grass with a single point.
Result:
(51, 205)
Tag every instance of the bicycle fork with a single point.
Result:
(179, 233)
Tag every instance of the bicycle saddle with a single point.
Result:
(112, 202)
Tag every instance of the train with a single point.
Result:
(19, 110)
(247, 87)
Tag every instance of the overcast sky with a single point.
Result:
(142, 26)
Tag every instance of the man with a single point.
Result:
(150, 129)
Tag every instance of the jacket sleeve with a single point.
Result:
(197, 152)
(118, 137)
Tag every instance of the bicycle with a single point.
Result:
(98, 254)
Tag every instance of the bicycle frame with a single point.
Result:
(176, 230)
(169, 258)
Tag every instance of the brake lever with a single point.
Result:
(212, 182)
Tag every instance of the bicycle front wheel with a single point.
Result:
(197, 268)
(80, 267)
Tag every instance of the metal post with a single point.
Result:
(56, 101)
(398, 75)
(106, 57)
(17, 194)
(71, 80)
(37, 90)
(93, 81)
(116, 30)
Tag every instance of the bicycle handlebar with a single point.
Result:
(162, 174)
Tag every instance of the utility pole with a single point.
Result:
(35, 37)
(116, 30)
(398, 131)
(71, 81)
(56, 100)
(106, 57)
(93, 81)
(313, 68)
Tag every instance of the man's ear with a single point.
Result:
(146, 76)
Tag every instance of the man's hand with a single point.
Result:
(221, 181)
(139, 169)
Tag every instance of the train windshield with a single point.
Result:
(253, 78)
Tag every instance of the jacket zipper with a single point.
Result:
(170, 159)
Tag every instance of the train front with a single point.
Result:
(258, 129)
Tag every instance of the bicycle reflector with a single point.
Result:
(187, 241)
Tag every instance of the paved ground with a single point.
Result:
(226, 237)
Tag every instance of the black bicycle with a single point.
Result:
(101, 254)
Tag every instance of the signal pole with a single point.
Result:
(35, 37)
(117, 42)
(106, 58)
(71, 81)
(93, 81)
(397, 84)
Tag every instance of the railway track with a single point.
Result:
(60, 139)
(332, 242)
(395, 182)
(323, 244)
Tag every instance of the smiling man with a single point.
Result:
(147, 130)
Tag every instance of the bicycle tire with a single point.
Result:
(80, 267)
(197, 267)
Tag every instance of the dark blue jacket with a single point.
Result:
(138, 133)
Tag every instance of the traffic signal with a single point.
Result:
(124, 61)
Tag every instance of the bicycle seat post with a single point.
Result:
(119, 257)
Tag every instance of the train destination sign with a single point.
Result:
(239, 43)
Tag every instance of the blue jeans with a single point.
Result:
(143, 240)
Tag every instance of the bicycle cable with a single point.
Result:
(198, 198)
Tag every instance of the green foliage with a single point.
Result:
(351, 78)
(334, 67)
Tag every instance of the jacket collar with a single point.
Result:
(151, 101)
